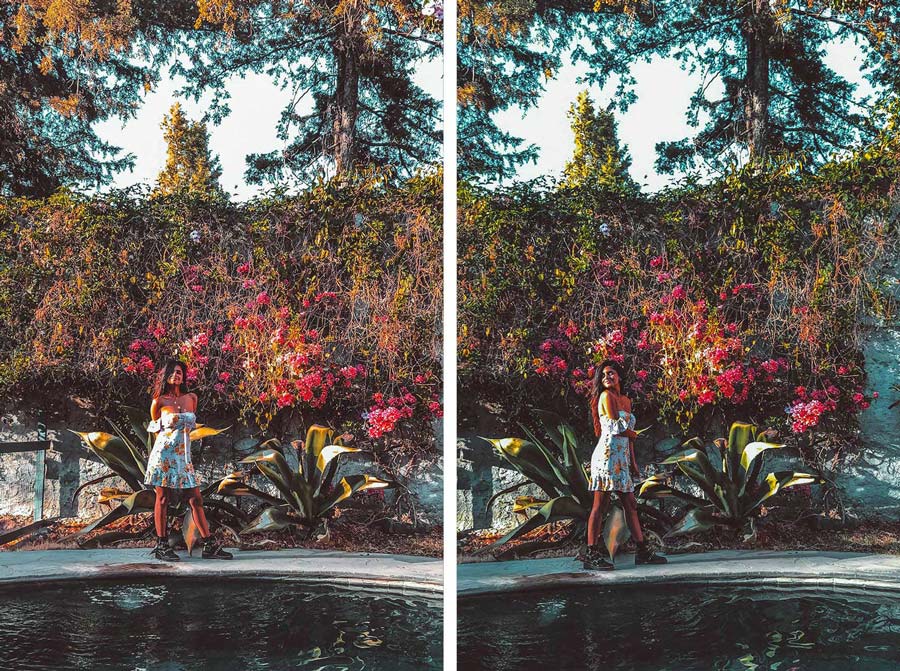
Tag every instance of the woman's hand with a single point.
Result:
(635, 471)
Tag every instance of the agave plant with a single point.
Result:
(126, 457)
(558, 471)
(306, 495)
(732, 489)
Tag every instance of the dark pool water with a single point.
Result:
(666, 629)
(214, 625)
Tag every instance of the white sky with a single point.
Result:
(256, 105)
(663, 96)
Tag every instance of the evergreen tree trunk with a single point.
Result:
(345, 110)
(757, 30)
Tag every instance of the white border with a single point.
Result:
(450, 335)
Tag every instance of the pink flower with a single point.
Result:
(249, 283)
(224, 377)
(679, 293)
(219, 387)
(263, 298)
(642, 375)
(657, 261)
(244, 268)
(706, 397)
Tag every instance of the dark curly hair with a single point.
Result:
(597, 389)
(165, 371)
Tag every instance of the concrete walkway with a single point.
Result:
(818, 570)
(419, 576)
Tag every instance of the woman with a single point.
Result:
(613, 464)
(169, 467)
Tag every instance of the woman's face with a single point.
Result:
(609, 377)
(177, 376)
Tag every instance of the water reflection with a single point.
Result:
(215, 625)
(667, 629)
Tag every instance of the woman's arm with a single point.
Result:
(618, 424)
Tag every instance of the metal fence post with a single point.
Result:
(39, 473)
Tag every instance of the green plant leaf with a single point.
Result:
(754, 449)
(740, 435)
(615, 530)
(655, 487)
(561, 508)
(329, 452)
(696, 520)
(139, 502)
(349, 485)
(115, 453)
(202, 432)
(274, 518)
(139, 421)
(777, 481)
(534, 462)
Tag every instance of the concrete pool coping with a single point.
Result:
(403, 574)
(777, 569)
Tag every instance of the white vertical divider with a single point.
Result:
(449, 320)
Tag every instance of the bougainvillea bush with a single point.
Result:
(325, 304)
(743, 297)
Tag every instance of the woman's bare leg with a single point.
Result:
(161, 511)
(629, 503)
(595, 520)
(195, 501)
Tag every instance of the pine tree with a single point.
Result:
(354, 59)
(597, 160)
(65, 66)
(770, 58)
(189, 165)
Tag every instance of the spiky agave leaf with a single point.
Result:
(348, 486)
(274, 518)
(115, 453)
(139, 502)
(554, 510)
(534, 462)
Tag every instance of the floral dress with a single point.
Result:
(610, 461)
(170, 464)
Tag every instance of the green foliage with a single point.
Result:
(558, 471)
(64, 67)
(125, 454)
(93, 291)
(307, 494)
(189, 165)
(598, 160)
(729, 482)
(355, 60)
(779, 258)
(767, 87)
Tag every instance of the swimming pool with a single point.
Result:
(214, 624)
(668, 628)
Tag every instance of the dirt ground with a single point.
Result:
(353, 531)
(881, 537)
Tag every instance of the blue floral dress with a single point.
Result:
(170, 464)
(610, 461)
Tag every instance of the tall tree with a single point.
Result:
(507, 51)
(64, 66)
(355, 59)
(597, 160)
(778, 92)
(189, 164)
(769, 57)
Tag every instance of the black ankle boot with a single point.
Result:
(162, 551)
(212, 550)
(594, 560)
(645, 555)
